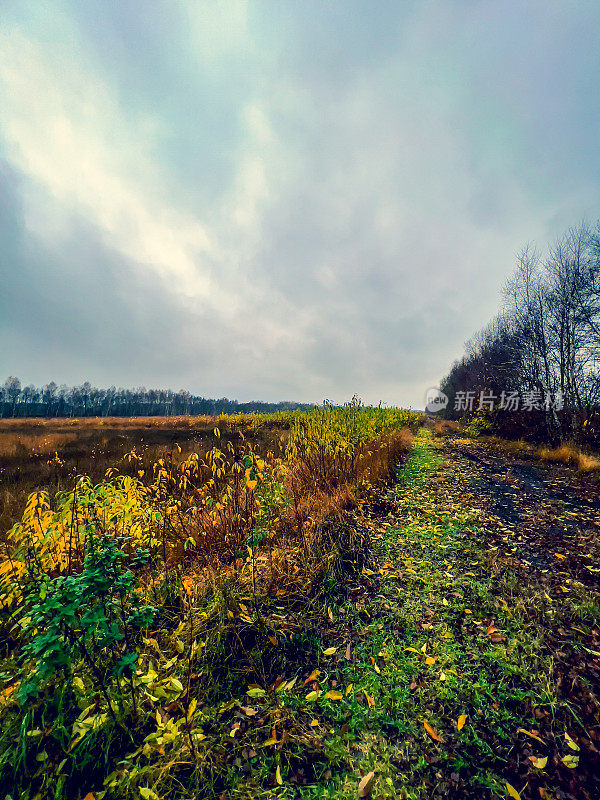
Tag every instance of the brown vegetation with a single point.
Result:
(49, 454)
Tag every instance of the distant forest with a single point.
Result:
(88, 401)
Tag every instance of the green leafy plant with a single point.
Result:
(88, 622)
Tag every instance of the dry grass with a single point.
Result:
(566, 453)
(49, 454)
(445, 427)
(571, 456)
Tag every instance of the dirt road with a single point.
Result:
(553, 515)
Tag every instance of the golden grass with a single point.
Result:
(571, 456)
(44, 443)
(128, 423)
(446, 426)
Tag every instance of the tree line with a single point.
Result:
(542, 348)
(86, 400)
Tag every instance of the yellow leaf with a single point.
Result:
(432, 731)
(148, 794)
(270, 742)
(429, 661)
(314, 723)
(349, 689)
(531, 735)
(278, 776)
(333, 695)
(330, 651)
(313, 695)
(571, 743)
(461, 722)
(512, 791)
(539, 763)
(570, 761)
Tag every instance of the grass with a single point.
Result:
(420, 656)
(451, 666)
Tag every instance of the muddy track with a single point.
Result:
(552, 514)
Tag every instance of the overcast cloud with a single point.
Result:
(284, 199)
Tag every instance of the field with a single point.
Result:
(327, 604)
(49, 454)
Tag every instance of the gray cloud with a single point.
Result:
(291, 200)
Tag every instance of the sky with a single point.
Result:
(283, 200)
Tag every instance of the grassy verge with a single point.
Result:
(444, 678)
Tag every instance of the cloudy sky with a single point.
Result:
(292, 199)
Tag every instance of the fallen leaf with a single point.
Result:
(432, 731)
(333, 695)
(461, 722)
(531, 735)
(313, 676)
(365, 787)
(512, 791)
(330, 651)
(148, 794)
(278, 777)
(571, 743)
(539, 763)
(570, 761)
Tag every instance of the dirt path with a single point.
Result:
(553, 516)
(541, 523)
